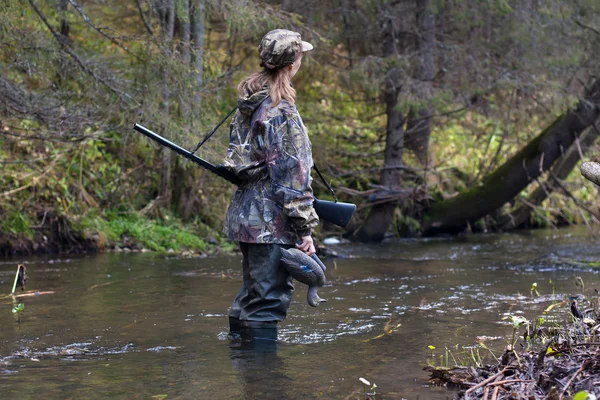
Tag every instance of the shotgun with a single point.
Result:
(336, 212)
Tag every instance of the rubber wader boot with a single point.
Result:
(253, 330)
(265, 295)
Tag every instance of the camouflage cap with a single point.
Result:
(280, 48)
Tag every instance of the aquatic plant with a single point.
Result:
(517, 322)
(371, 387)
(431, 348)
(18, 310)
(464, 356)
(534, 290)
(579, 283)
(388, 329)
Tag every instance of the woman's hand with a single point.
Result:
(306, 245)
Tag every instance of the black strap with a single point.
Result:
(325, 182)
(213, 131)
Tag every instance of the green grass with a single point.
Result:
(17, 223)
(137, 231)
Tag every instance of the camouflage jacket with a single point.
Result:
(270, 152)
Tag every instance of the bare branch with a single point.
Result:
(146, 24)
(64, 139)
(64, 45)
(100, 31)
(596, 31)
(570, 195)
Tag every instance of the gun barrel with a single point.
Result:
(336, 212)
(227, 175)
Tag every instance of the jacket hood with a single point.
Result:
(248, 104)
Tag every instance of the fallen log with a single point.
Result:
(453, 215)
(561, 170)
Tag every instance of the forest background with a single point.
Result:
(433, 116)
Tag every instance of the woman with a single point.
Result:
(270, 152)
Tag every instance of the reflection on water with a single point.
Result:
(140, 326)
(261, 372)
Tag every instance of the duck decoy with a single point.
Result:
(305, 269)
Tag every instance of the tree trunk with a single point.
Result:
(65, 28)
(561, 170)
(166, 12)
(347, 29)
(182, 28)
(452, 215)
(287, 5)
(381, 216)
(64, 24)
(418, 127)
(185, 187)
(197, 10)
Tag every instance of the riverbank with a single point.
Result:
(50, 233)
(556, 359)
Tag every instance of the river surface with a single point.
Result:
(144, 326)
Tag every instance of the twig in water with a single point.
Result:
(586, 344)
(583, 366)
(485, 382)
(510, 381)
(495, 393)
(16, 279)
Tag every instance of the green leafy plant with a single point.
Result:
(18, 310)
(584, 395)
(516, 322)
(431, 348)
(579, 283)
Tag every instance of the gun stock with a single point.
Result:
(337, 213)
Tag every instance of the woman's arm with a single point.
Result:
(289, 161)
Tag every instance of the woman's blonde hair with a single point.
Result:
(277, 80)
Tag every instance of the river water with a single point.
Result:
(144, 326)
